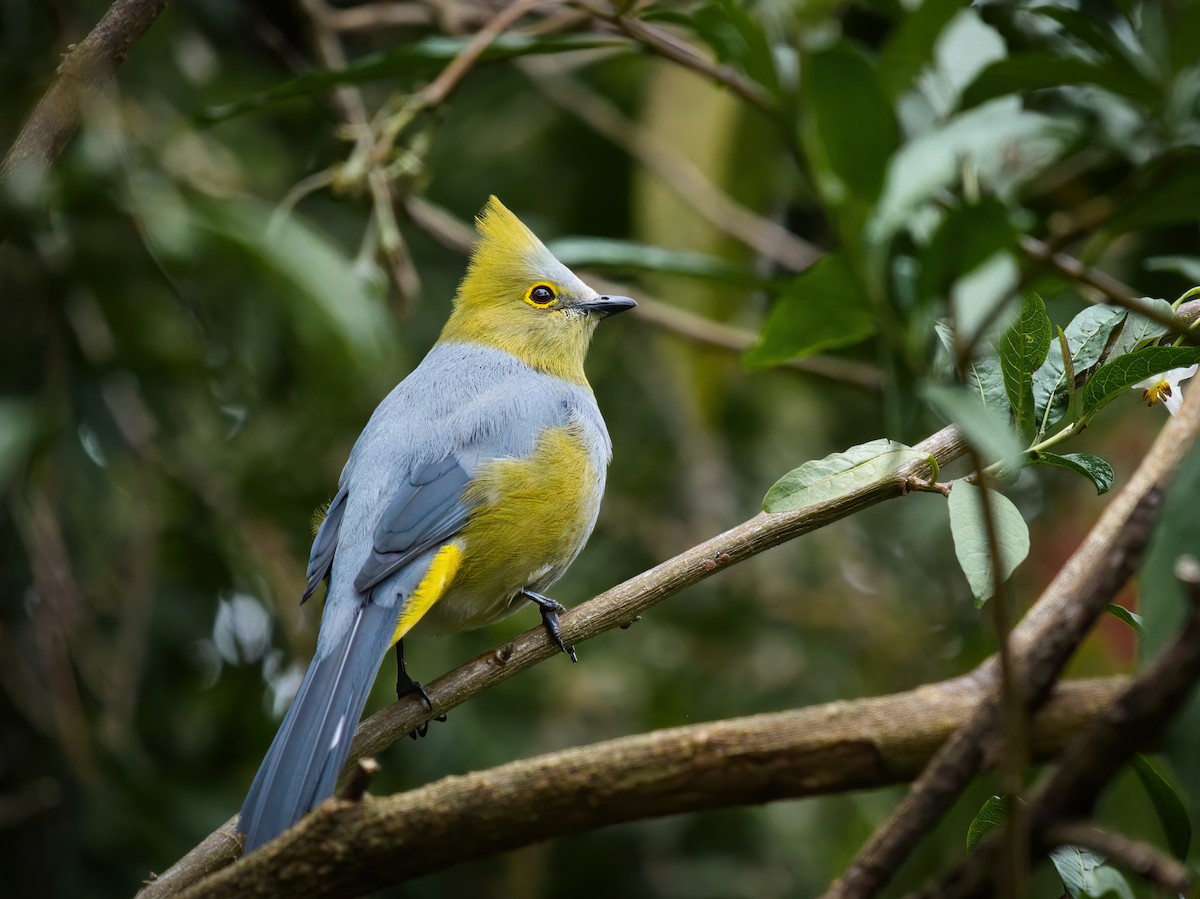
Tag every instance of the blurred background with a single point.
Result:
(204, 300)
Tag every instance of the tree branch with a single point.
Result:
(1041, 645)
(1121, 294)
(615, 608)
(680, 52)
(1141, 858)
(1096, 755)
(350, 848)
(84, 69)
(767, 238)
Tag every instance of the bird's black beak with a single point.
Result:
(602, 307)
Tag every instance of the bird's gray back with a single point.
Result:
(474, 402)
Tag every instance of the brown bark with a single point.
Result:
(84, 69)
(349, 848)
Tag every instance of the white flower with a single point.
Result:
(1165, 387)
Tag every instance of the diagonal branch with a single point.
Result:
(1116, 292)
(1041, 645)
(1141, 858)
(680, 52)
(84, 69)
(1096, 755)
(347, 848)
(615, 608)
(767, 238)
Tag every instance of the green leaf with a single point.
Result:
(1133, 619)
(1093, 468)
(738, 38)
(1023, 349)
(413, 60)
(1086, 876)
(982, 139)
(969, 528)
(991, 815)
(599, 252)
(1125, 371)
(1027, 72)
(848, 153)
(966, 47)
(912, 43)
(968, 237)
(339, 302)
(982, 376)
(1139, 330)
(1170, 808)
(985, 429)
(977, 295)
(1121, 54)
(1087, 335)
(823, 307)
(823, 480)
(1185, 266)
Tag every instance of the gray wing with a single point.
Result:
(426, 509)
(320, 560)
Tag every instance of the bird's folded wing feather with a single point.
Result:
(320, 560)
(427, 509)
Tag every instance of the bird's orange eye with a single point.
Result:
(541, 296)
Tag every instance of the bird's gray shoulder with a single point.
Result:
(477, 403)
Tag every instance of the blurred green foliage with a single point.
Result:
(185, 368)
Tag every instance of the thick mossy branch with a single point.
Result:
(350, 848)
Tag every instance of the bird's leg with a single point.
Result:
(550, 609)
(406, 685)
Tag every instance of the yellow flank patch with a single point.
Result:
(530, 514)
(441, 572)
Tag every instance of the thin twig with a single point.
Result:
(1143, 859)
(369, 16)
(441, 87)
(347, 98)
(1013, 721)
(767, 238)
(706, 332)
(360, 778)
(1112, 289)
(679, 51)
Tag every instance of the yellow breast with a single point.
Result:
(534, 515)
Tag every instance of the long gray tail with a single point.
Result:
(307, 754)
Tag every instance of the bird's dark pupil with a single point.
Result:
(543, 294)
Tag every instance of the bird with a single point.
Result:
(474, 485)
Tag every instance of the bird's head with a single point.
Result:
(517, 297)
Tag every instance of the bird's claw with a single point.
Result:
(550, 609)
(405, 686)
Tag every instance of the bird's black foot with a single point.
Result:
(550, 609)
(405, 685)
